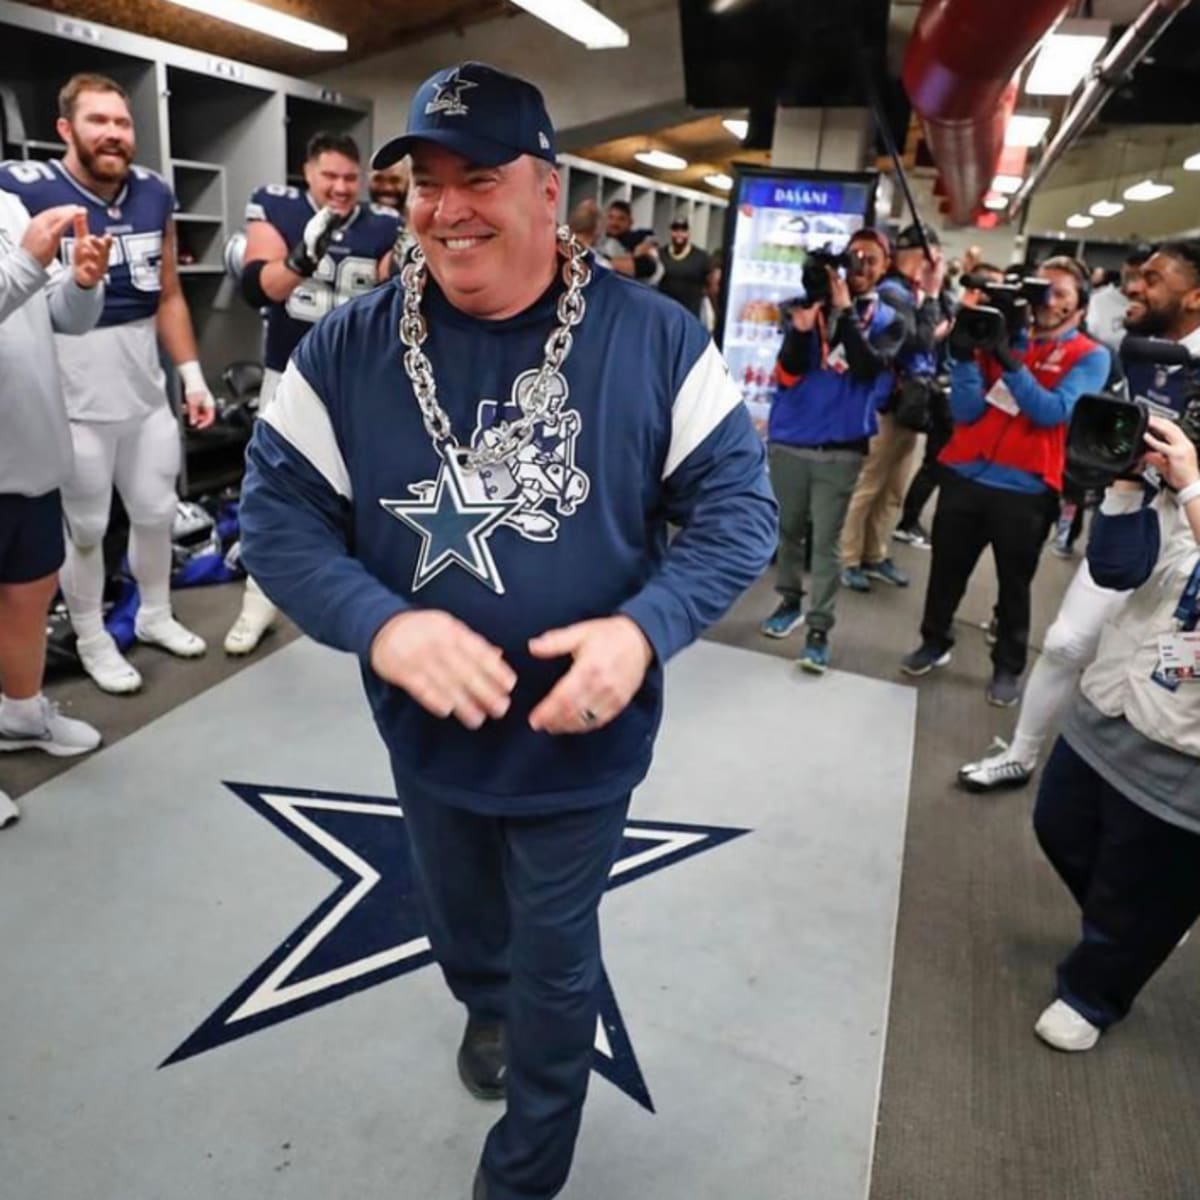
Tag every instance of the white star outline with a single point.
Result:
(481, 564)
(449, 97)
(274, 992)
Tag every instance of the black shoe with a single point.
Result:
(483, 1059)
(924, 659)
(479, 1191)
(1004, 691)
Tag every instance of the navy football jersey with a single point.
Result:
(136, 218)
(349, 268)
(1172, 387)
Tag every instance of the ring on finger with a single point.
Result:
(588, 717)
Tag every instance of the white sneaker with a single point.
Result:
(1063, 1028)
(256, 617)
(167, 633)
(995, 772)
(107, 665)
(10, 814)
(64, 737)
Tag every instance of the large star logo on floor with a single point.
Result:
(369, 929)
(453, 529)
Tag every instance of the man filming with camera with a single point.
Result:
(1013, 389)
(1163, 302)
(834, 371)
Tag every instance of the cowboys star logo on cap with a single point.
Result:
(449, 97)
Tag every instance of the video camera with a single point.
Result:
(814, 276)
(1107, 436)
(1008, 311)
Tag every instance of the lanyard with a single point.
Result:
(1187, 612)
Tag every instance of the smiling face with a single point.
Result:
(868, 265)
(99, 136)
(488, 233)
(1164, 297)
(333, 180)
(1062, 307)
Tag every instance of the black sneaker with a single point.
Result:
(1004, 691)
(914, 534)
(923, 659)
(483, 1059)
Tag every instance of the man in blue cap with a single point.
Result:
(466, 478)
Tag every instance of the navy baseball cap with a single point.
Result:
(486, 115)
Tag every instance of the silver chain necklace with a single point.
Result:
(510, 437)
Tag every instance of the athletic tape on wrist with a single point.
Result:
(1188, 494)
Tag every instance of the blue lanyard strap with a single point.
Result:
(1187, 612)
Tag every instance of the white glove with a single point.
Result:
(305, 256)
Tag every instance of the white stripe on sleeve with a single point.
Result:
(298, 415)
(707, 397)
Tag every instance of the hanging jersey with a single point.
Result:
(350, 266)
(136, 219)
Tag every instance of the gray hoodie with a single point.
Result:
(35, 441)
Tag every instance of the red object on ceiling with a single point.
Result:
(958, 73)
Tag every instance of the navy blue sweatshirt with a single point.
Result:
(349, 517)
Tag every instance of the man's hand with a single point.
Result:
(306, 255)
(1172, 452)
(201, 407)
(44, 232)
(611, 657)
(447, 668)
(804, 320)
(839, 292)
(90, 258)
(933, 274)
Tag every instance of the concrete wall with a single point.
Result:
(583, 88)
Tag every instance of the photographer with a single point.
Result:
(914, 283)
(1118, 810)
(1163, 300)
(1012, 402)
(833, 372)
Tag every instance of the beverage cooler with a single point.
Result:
(776, 218)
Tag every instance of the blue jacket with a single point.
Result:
(349, 516)
(816, 404)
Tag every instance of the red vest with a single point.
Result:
(1016, 441)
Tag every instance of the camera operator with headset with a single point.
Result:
(834, 371)
(1163, 295)
(1012, 394)
(1118, 809)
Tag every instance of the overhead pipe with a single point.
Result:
(958, 72)
(1150, 24)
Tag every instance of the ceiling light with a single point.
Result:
(1192, 164)
(1080, 221)
(738, 128)
(1106, 208)
(578, 20)
(662, 160)
(1007, 185)
(995, 202)
(269, 21)
(719, 180)
(1148, 190)
(1066, 57)
(1025, 130)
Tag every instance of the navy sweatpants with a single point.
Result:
(1135, 877)
(512, 906)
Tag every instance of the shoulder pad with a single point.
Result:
(382, 210)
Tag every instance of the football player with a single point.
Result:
(122, 430)
(306, 253)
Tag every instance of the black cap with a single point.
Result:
(910, 238)
(486, 115)
(680, 223)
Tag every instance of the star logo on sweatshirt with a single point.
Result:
(453, 528)
(370, 928)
